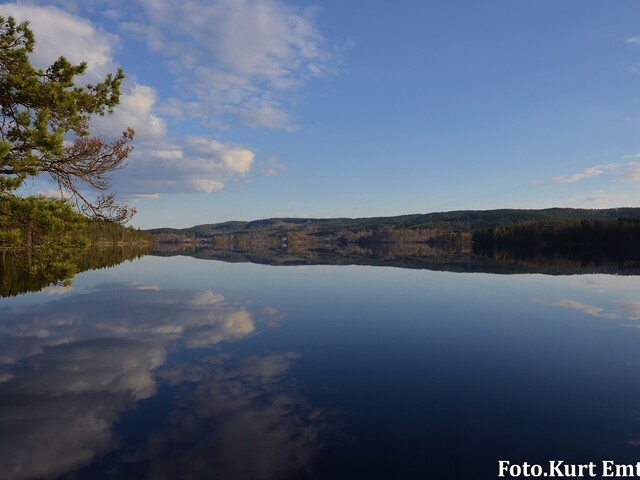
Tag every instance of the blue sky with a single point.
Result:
(247, 109)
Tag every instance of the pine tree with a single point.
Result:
(44, 126)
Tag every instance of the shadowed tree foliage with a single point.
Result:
(42, 235)
(585, 240)
(44, 126)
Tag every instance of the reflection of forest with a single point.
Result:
(546, 241)
(17, 278)
(455, 257)
(406, 254)
(568, 259)
(598, 245)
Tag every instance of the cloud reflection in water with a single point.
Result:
(70, 367)
(232, 418)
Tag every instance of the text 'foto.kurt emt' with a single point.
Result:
(560, 469)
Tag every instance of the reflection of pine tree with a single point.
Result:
(44, 240)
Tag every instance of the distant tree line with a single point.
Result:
(102, 232)
(51, 227)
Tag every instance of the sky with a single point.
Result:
(249, 109)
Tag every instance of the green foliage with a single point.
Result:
(101, 232)
(44, 125)
(43, 234)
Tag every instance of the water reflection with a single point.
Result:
(196, 371)
(58, 407)
(233, 418)
(16, 278)
(602, 296)
(581, 307)
(142, 312)
(70, 367)
(442, 257)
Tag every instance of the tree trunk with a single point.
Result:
(28, 243)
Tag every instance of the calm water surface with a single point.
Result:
(171, 368)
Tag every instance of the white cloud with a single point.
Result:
(631, 173)
(56, 193)
(79, 40)
(159, 186)
(205, 185)
(264, 112)
(59, 33)
(240, 57)
(576, 177)
(633, 41)
(168, 154)
(183, 110)
(136, 111)
(613, 173)
(155, 166)
(145, 196)
(232, 158)
(201, 164)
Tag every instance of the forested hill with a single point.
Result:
(440, 226)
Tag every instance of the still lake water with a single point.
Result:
(178, 368)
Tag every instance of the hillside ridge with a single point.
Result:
(456, 220)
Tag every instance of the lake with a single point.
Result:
(183, 368)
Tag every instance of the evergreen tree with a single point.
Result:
(44, 126)
(44, 235)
